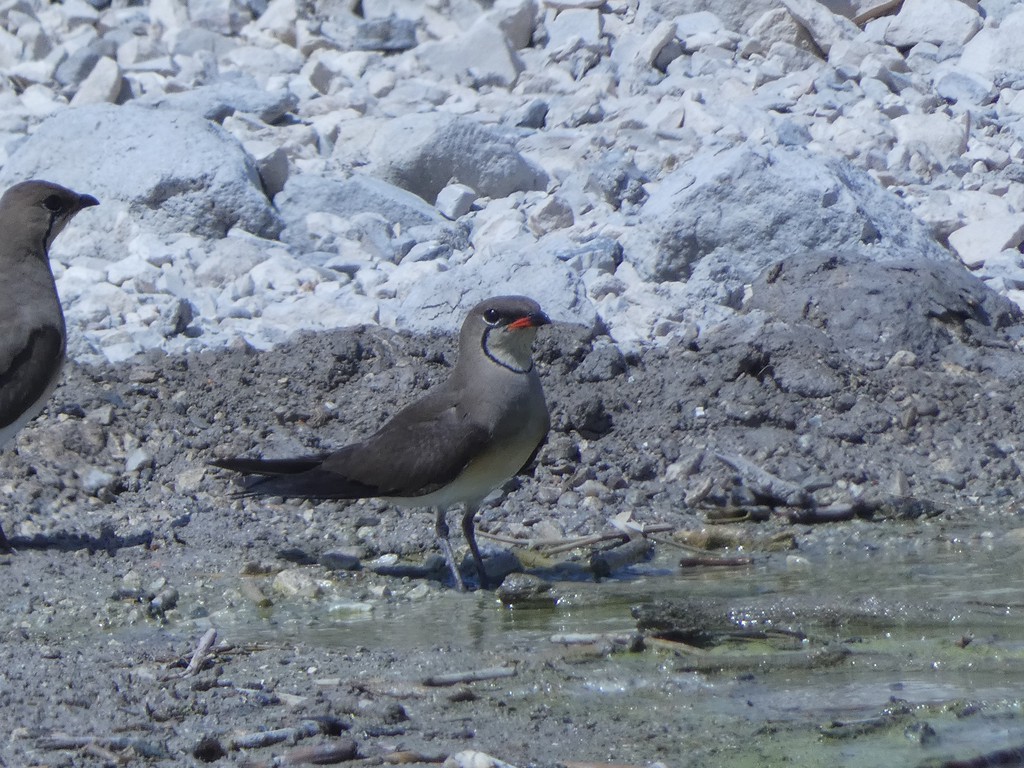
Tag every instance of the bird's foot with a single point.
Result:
(449, 558)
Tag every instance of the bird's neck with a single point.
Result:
(511, 350)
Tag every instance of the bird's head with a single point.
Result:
(504, 328)
(40, 210)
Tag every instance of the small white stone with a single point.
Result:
(455, 200)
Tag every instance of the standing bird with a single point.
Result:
(462, 440)
(32, 337)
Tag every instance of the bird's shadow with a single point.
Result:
(107, 540)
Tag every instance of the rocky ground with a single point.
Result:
(782, 241)
(131, 547)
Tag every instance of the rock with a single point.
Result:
(226, 97)
(340, 561)
(306, 194)
(298, 582)
(525, 589)
(104, 84)
(439, 302)
(849, 299)
(474, 759)
(985, 239)
(939, 141)
(424, 152)
(573, 27)
(731, 213)
(996, 49)
(483, 55)
(199, 181)
(948, 22)
(455, 200)
(824, 27)
(965, 88)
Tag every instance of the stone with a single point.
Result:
(483, 55)
(723, 216)
(102, 85)
(572, 27)
(345, 198)
(455, 201)
(237, 93)
(949, 22)
(939, 138)
(201, 180)
(438, 302)
(980, 240)
(422, 153)
(996, 49)
(824, 27)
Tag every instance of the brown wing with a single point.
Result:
(420, 450)
(28, 370)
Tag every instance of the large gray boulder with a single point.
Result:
(725, 215)
(868, 311)
(174, 171)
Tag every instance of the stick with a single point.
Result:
(694, 562)
(202, 650)
(454, 678)
(276, 736)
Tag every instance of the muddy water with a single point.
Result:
(867, 660)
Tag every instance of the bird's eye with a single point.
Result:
(53, 204)
(492, 316)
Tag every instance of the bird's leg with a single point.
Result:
(441, 529)
(470, 533)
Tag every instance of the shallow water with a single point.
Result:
(930, 663)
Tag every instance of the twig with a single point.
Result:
(201, 652)
(267, 738)
(455, 678)
(586, 541)
(408, 756)
(695, 562)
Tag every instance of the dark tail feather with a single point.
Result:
(269, 466)
(296, 478)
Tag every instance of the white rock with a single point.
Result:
(483, 55)
(572, 27)
(516, 19)
(996, 49)
(424, 152)
(825, 27)
(102, 85)
(455, 200)
(949, 22)
(474, 759)
(554, 213)
(984, 239)
(655, 42)
(941, 140)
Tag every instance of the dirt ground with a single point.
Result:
(131, 548)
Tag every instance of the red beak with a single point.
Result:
(532, 320)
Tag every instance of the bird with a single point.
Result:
(464, 438)
(32, 334)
